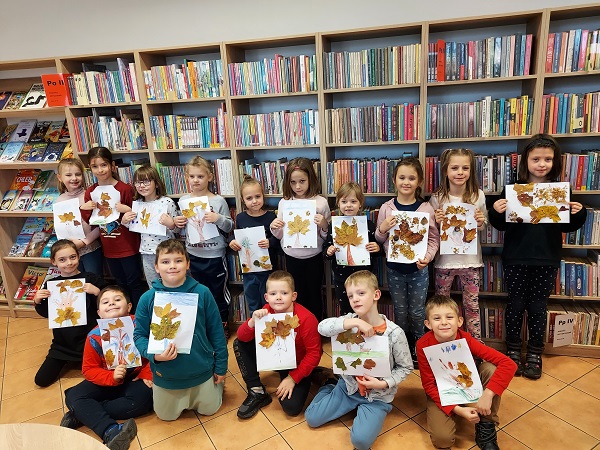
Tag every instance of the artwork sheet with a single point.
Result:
(252, 257)
(197, 230)
(147, 218)
(355, 354)
(173, 320)
(455, 372)
(458, 230)
(106, 197)
(300, 229)
(275, 341)
(408, 239)
(350, 238)
(538, 203)
(67, 303)
(117, 342)
(67, 220)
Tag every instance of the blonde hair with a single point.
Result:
(200, 162)
(362, 277)
(347, 189)
(282, 275)
(306, 166)
(250, 181)
(438, 301)
(69, 162)
(149, 173)
(471, 193)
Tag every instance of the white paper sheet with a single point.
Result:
(173, 320)
(281, 351)
(350, 237)
(197, 229)
(458, 230)
(67, 303)
(408, 239)
(538, 203)
(354, 354)
(300, 229)
(106, 197)
(147, 218)
(67, 220)
(252, 257)
(117, 342)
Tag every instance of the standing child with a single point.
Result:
(207, 259)
(531, 256)
(408, 283)
(107, 395)
(183, 381)
(349, 200)
(255, 283)
(372, 396)
(305, 264)
(67, 343)
(460, 185)
(119, 245)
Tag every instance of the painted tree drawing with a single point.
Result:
(67, 220)
(300, 230)
(198, 230)
(147, 218)
(350, 237)
(276, 349)
(252, 257)
(69, 303)
(355, 354)
(173, 321)
(117, 342)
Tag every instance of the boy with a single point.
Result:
(109, 395)
(181, 381)
(444, 321)
(295, 383)
(372, 396)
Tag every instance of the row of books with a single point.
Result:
(492, 57)
(489, 235)
(33, 279)
(280, 74)
(40, 152)
(35, 238)
(589, 233)
(31, 190)
(373, 175)
(34, 98)
(372, 124)
(570, 113)
(491, 319)
(481, 118)
(578, 276)
(125, 171)
(270, 173)
(192, 79)
(585, 324)
(33, 131)
(582, 170)
(572, 51)
(384, 66)
(277, 128)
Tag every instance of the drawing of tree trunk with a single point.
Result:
(347, 235)
(296, 227)
(247, 251)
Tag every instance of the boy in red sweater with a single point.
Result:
(444, 321)
(295, 383)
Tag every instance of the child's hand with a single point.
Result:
(364, 327)
(122, 208)
(218, 378)
(258, 314)
(467, 412)
(89, 288)
(277, 224)
(180, 221)
(500, 205)
(169, 354)
(78, 242)
(235, 246)
(321, 222)
(88, 206)
(439, 215)
(286, 387)
(40, 295)
(575, 207)
(146, 382)
(128, 217)
(484, 404)
(211, 217)
(263, 243)
(389, 223)
(120, 372)
(479, 217)
(422, 263)
(372, 247)
(167, 221)
(331, 250)
(372, 382)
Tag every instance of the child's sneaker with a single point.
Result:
(254, 401)
(118, 437)
(485, 436)
(70, 421)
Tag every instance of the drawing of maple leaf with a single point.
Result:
(348, 337)
(369, 364)
(356, 362)
(66, 217)
(293, 322)
(67, 314)
(116, 325)
(339, 363)
(145, 218)
(298, 225)
(282, 330)
(166, 311)
(109, 356)
(165, 330)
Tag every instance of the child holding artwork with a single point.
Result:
(408, 283)
(531, 256)
(372, 396)
(444, 322)
(349, 200)
(207, 258)
(295, 383)
(305, 264)
(67, 342)
(183, 381)
(107, 395)
(119, 245)
(255, 283)
(460, 185)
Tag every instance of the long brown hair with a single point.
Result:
(106, 155)
(413, 162)
(306, 166)
(541, 140)
(471, 193)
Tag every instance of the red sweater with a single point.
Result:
(308, 341)
(505, 367)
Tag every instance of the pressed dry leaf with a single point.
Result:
(340, 364)
(298, 225)
(66, 217)
(369, 364)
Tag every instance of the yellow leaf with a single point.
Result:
(66, 217)
(117, 324)
(145, 218)
(293, 322)
(347, 234)
(298, 226)
(104, 196)
(109, 357)
(268, 339)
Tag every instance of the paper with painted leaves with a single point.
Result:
(118, 347)
(106, 197)
(300, 229)
(67, 303)
(458, 230)
(354, 354)
(408, 239)
(147, 217)
(173, 320)
(275, 341)
(194, 209)
(455, 372)
(252, 257)
(538, 203)
(67, 220)
(350, 238)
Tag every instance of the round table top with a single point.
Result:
(30, 436)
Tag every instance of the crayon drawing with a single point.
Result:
(300, 229)
(350, 237)
(538, 203)
(355, 354)
(173, 320)
(275, 338)
(252, 257)
(197, 229)
(408, 239)
(458, 230)
(117, 342)
(67, 303)
(106, 197)
(67, 220)
(147, 218)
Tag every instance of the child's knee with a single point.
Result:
(442, 438)
(360, 441)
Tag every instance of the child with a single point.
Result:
(444, 321)
(119, 245)
(408, 283)
(72, 185)
(107, 395)
(295, 383)
(349, 200)
(305, 264)
(531, 256)
(207, 259)
(255, 283)
(460, 185)
(183, 381)
(150, 188)
(67, 343)
(372, 396)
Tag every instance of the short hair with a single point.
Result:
(541, 140)
(59, 245)
(441, 300)
(147, 172)
(112, 288)
(282, 275)
(69, 162)
(305, 165)
(347, 189)
(362, 277)
(171, 246)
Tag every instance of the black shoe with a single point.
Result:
(119, 437)
(413, 355)
(70, 421)
(485, 436)
(254, 401)
(322, 376)
(516, 357)
(533, 366)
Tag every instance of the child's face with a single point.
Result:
(407, 181)
(280, 296)
(172, 268)
(444, 322)
(299, 183)
(102, 169)
(539, 164)
(71, 177)
(459, 170)
(67, 261)
(113, 304)
(146, 188)
(253, 198)
(349, 205)
(198, 177)
(362, 297)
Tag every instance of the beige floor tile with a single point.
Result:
(465, 431)
(509, 442)
(332, 435)
(232, 364)
(3, 330)
(394, 418)
(233, 396)
(410, 398)
(195, 438)
(280, 420)
(325, 361)
(411, 435)
(565, 368)
(152, 430)
(589, 383)
(18, 383)
(593, 361)
(327, 347)
(51, 418)
(577, 408)
(249, 432)
(31, 357)
(274, 443)
(232, 337)
(536, 391)
(24, 341)
(511, 407)
(31, 404)
(20, 326)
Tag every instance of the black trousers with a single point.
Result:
(212, 273)
(308, 278)
(127, 272)
(49, 371)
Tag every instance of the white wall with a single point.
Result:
(37, 29)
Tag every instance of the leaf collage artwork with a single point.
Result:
(276, 349)
(408, 239)
(538, 203)
(252, 257)
(458, 230)
(117, 342)
(106, 197)
(350, 237)
(197, 229)
(173, 320)
(300, 229)
(355, 354)
(67, 303)
(67, 220)
(147, 218)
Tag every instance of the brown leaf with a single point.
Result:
(268, 339)
(369, 364)
(347, 234)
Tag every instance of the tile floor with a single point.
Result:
(559, 411)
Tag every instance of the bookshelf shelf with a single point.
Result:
(585, 192)
(28, 165)
(38, 112)
(575, 135)
(122, 152)
(480, 80)
(580, 73)
(25, 259)
(388, 87)
(371, 144)
(478, 139)
(185, 100)
(9, 214)
(105, 105)
(191, 150)
(276, 147)
(274, 95)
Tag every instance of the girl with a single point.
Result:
(255, 283)
(207, 258)
(305, 264)
(72, 185)
(67, 343)
(119, 246)
(531, 256)
(349, 200)
(408, 283)
(460, 185)
(150, 188)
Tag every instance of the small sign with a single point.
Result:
(563, 329)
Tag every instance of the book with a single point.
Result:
(48, 249)
(39, 132)
(35, 98)
(8, 200)
(23, 130)
(4, 96)
(53, 272)
(20, 246)
(38, 243)
(45, 202)
(7, 132)
(37, 152)
(24, 154)
(30, 283)
(54, 151)
(56, 89)
(42, 180)
(11, 151)
(15, 100)
(35, 203)
(54, 130)
(22, 201)
(25, 179)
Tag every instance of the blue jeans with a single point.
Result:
(333, 401)
(409, 292)
(92, 262)
(255, 287)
